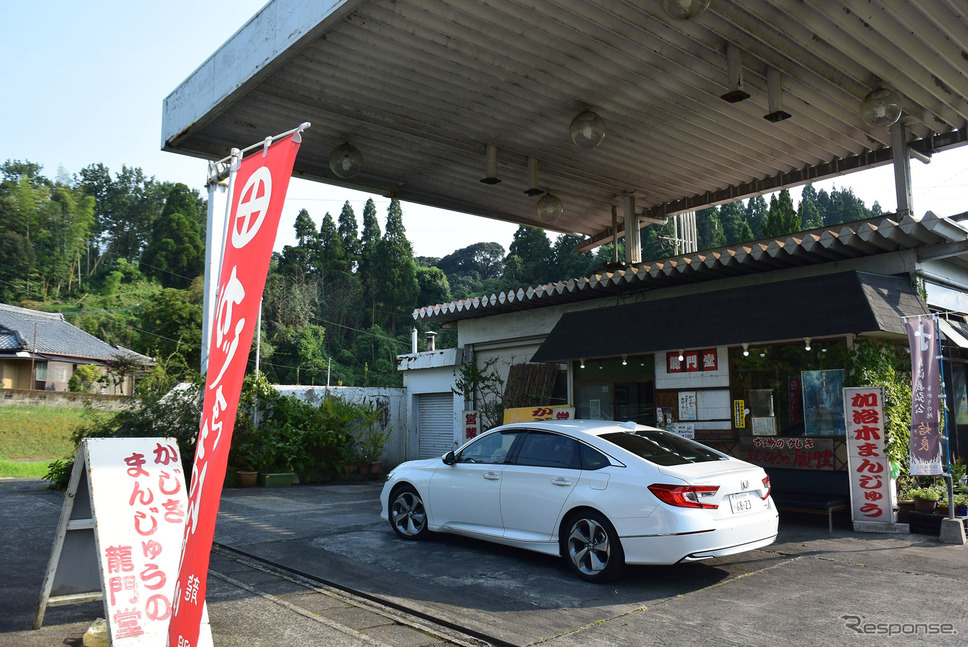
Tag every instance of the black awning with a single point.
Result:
(820, 306)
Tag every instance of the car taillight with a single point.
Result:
(685, 496)
(766, 484)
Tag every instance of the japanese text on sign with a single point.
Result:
(138, 495)
(870, 471)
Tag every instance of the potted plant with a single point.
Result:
(925, 499)
(371, 443)
(348, 458)
(905, 506)
(961, 504)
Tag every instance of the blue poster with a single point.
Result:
(823, 403)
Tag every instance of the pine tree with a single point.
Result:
(369, 242)
(332, 256)
(731, 217)
(710, 229)
(396, 290)
(349, 237)
(781, 220)
(755, 215)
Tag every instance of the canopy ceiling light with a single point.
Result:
(587, 129)
(880, 107)
(491, 156)
(684, 9)
(346, 160)
(806, 343)
(533, 189)
(746, 349)
(774, 88)
(550, 208)
(734, 75)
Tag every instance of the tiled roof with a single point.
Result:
(46, 333)
(859, 239)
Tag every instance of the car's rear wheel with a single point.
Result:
(592, 547)
(408, 518)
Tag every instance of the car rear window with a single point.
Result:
(662, 448)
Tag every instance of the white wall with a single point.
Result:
(713, 408)
(391, 400)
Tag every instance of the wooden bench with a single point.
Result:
(810, 491)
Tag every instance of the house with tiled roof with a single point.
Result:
(41, 351)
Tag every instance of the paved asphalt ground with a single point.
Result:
(809, 588)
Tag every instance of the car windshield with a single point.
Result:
(662, 448)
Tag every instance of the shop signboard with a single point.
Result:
(788, 453)
(869, 468)
(925, 397)
(530, 414)
(472, 425)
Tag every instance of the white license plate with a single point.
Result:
(742, 502)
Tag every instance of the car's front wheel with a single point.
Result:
(592, 547)
(408, 518)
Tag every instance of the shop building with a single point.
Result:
(739, 347)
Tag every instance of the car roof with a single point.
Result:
(579, 428)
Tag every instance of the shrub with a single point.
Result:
(161, 413)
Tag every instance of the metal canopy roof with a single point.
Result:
(420, 87)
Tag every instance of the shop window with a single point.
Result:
(616, 389)
(787, 390)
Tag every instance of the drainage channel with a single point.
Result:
(446, 631)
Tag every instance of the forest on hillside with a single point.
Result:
(121, 255)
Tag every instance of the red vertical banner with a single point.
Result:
(259, 191)
(870, 469)
(925, 397)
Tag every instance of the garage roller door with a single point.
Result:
(435, 424)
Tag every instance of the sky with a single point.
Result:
(85, 81)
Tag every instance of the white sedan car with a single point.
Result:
(601, 494)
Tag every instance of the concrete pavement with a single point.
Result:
(810, 587)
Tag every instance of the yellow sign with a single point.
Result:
(739, 414)
(530, 414)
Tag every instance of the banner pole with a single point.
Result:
(949, 481)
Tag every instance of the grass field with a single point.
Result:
(31, 437)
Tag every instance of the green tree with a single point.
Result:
(781, 220)
(709, 229)
(332, 260)
(397, 289)
(735, 228)
(532, 249)
(434, 286)
(16, 265)
(566, 263)
(171, 327)
(808, 210)
(349, 237)
(369, 243)
(175, 253)
(65, 220)
(125, 208)
(755, 215)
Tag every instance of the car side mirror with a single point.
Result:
(449, 458)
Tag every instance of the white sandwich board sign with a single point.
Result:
(119, 538)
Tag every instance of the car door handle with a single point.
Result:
(561, 481)
(492, 476)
